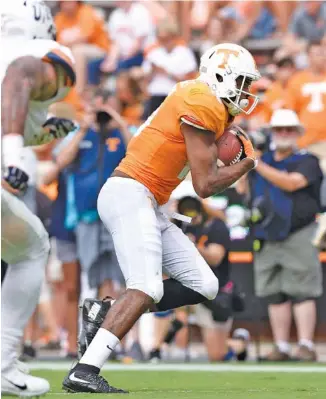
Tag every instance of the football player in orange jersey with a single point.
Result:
(180, 136)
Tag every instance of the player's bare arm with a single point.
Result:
(27, 78)
(207, 177)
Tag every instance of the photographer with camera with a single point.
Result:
(210, 234)
(285, 198)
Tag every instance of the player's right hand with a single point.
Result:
(247, 144)
(16, 178)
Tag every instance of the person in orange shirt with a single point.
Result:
(178, 137)
(256, 119)
(131, 94)
(306, 94)
(81, 29)
(276, 93)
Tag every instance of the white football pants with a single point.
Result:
(147, 243)
(25, 247)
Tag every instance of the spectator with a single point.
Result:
(285, 188)
(91, 155)
(166, 63)
(309, 21)
(81, 29)
(308, 25)
(131, 93)
(200, 14)
(211, 236)
(131, 28)
(250, 20)
(68, 284)
(275, 95)
(306, 95)
(214, 33)
(257, 118)
(66, 250)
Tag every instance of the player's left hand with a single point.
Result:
(16, 178)
(59, 127)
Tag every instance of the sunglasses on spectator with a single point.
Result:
(289, 129)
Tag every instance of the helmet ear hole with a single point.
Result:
(219, 78)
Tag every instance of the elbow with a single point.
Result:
(201, 189)
(291, 187)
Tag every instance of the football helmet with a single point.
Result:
(26, 19)
(229, 70)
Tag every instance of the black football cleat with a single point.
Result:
(93, 313)
(85, 381)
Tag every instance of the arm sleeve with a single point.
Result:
(63, 143)
(63, 57)
(309, 168)
(198, 111)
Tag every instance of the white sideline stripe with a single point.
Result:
(64, 366)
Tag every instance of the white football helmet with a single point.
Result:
(26, 19)
(228, 69)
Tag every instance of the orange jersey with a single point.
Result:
(306, 94)
(157, 156)
(91, 26)
(274, 99)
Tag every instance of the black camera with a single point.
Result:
(103, 117)
(261, 139)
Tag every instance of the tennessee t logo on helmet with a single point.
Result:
(226, 54)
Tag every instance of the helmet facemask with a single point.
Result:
(240, 102)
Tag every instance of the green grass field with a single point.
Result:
(202, 385)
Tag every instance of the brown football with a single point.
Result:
(229, 147)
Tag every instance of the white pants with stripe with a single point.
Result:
(147, 243)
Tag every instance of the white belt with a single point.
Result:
(182, 218)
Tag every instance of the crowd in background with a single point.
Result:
(129, 55)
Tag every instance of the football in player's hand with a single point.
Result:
(229, 147)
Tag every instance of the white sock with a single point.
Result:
(307, 343)
(283, 346)
(100, 348)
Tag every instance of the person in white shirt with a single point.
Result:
(166, 63)
(131, 29)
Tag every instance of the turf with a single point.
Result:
(202, 385)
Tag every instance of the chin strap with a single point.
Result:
(233, 109)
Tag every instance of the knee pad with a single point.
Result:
(210, 288)
(154, 289)
(277, 299)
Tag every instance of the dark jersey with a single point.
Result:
(214, 232)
